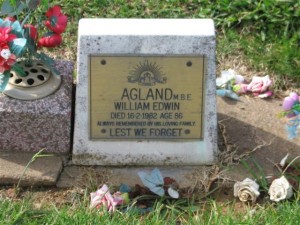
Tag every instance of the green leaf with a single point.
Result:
(12, 10)
(4, 78)
(17, 29)
(16, 26)
(53, 20)
(17, 46)
(48, 61)
(17, 68)
(20, 7)
(5, 23)
(31, 46)
(6, 8)
(297, 107)
(33, 4)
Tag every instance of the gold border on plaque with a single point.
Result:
(140, 97)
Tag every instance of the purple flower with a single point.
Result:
(289, 101)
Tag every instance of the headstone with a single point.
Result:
(145, 92)
(29, 126)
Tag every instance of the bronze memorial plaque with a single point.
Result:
(146, 97)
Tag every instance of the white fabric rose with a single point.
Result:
(280, 189)
(246, 190)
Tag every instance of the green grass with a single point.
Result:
(266, 32)
(209, 212)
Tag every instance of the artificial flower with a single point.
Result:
(1, 79)
(265, 94)
(280, 189)
(31, 31)
(7, 59)
(103, 198)
(283, 160)
(50, 40)
(246, 190)
(227, 76)
(5, 35)
(259, 85)
(11, 19)
(57, 21)
(225, 84)
(290, 101)
(19, 37)
(240, 88)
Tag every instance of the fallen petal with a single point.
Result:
(266, 94)
(173, 193)
(283, 161)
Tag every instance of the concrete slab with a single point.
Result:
(44, 171)
(73, 176)
(255, 132)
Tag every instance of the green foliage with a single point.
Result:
(4, 78)
(34, 157)
(267, 18)
(267, 32)
(16, 67)
(278, 56)
(12, 8)
(210, 212)
(257, 173)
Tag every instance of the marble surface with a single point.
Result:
(28, 126)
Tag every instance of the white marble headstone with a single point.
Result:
(143, 38)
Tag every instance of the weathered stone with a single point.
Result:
(150, 37)
(44, 171)
(76, 176)
(29, 126)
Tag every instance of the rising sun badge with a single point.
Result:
(146, 74)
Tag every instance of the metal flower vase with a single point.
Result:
(38, 82)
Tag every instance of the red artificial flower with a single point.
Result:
(31, 31)
(57, 21)
(5, 35)
(11, 19)
(7, 59)
(50, 41)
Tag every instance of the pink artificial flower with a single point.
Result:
(259, 84)
(7, 59)
(50, 41)
(5, 35)
(103, 198)
(266, 94)
(57, 21)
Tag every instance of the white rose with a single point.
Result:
(280, 189)
(246, 190)
(5, 53)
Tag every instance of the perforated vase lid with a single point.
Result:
(39, 82)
